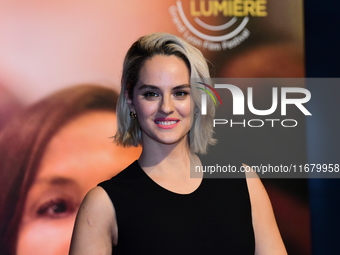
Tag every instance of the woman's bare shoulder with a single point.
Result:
(97, 202)
(95, 228)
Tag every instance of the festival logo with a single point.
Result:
(216, 25)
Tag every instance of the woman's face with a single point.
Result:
(162, 100)
(77, 158)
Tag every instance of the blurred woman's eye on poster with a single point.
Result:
(52, 203)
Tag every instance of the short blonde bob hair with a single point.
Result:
(129, 132)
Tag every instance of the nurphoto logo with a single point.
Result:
(239, 102)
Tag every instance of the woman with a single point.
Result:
(153, 206)
(51, 155)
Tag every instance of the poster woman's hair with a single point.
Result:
(23, 142)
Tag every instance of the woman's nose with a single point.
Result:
(166, 105)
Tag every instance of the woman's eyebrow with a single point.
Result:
(56, 181)
(147, 86)
(183, 86)
(153, 87)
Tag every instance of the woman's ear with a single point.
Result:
(129, 101)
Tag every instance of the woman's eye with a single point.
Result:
(150, 94)
(56, 209)
(181, 94)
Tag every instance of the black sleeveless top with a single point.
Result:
(214, 219)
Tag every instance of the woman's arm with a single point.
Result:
(95, 229)
(267, 236)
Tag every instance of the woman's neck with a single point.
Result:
(171, 160)
(169, 166)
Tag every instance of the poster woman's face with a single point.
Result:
(78, 157)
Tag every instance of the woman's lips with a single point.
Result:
(166, 123)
